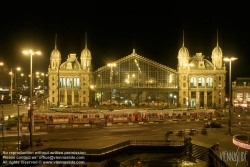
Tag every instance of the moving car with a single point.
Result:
(212, 125)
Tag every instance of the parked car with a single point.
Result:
(40, 93)
(192, 132)
(180, 133)
(212, 125)
(169, 133)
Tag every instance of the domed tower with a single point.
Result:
(217, 55)
(55, 58)
(183, 55)
(86, 56)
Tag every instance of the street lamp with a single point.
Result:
(11, 82)
(111, 65)
(230, 92)
(31, 53)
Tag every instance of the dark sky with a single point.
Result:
(154, 30)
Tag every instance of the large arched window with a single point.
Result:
(209, 82)
(76, 82)
(69, 82)
(201, 82)
(193, 82)
(62, 82)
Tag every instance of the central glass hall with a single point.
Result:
(133, 80)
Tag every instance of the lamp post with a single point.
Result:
(230, 92)
(11, 82)
(18, 126)
(111, 65)
(2, 128)
(43, 80)
(31, 53)
(91, 97)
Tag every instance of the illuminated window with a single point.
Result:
(201, 82)
(193, 82)
(240, 97)
(69, 82)
(76, 82)
(62, 82)
(209, 82)
(248, 98)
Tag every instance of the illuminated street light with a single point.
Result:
(31, 53)
(26, 82)
(230, 92)
(111, 65)
(11, 82)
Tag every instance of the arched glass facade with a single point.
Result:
(136, 80)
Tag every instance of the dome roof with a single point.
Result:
(55, 54)
(183, 52)
(217, 52)
(86, 54)
(198, 62)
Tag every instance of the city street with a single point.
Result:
(133, 132)
(97, 137)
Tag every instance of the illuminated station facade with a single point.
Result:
(137, 81)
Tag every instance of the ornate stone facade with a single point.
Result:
(69, 82)
(136, 80)
(201, 83)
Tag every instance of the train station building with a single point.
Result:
(137, 81)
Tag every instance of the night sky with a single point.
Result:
(115, 29)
